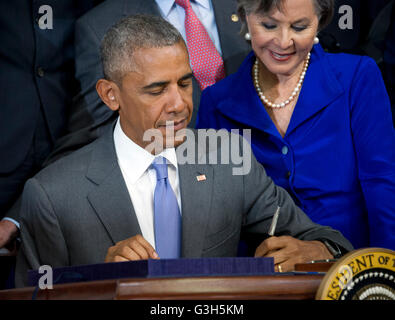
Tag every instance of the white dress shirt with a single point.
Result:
(140, 178)
(203, 9)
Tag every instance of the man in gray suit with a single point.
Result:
(98, 203)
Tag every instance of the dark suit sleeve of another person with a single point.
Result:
(262, 197)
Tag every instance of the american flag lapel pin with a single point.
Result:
(202, 177)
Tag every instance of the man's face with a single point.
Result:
(158, 90)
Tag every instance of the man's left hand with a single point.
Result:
(288, 251)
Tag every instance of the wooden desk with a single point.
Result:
(199, 288)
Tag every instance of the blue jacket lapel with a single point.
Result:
(243, 103)
(319, 89)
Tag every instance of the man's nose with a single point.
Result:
(176, 102)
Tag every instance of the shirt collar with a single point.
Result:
(167, 5)
(204, 3)
(134, 159)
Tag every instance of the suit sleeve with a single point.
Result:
(262, 197)
(42, 238)
(374, 142)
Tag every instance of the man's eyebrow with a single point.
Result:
(186, 77)
(164, 83)
(155, 85)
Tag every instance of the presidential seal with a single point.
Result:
(365, 274)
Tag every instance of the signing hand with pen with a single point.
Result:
(288, 251)
(134, 248)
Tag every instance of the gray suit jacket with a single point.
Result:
(79, 206)
(89, 117)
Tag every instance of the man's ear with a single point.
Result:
(107, 92)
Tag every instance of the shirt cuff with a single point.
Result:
(13, 221)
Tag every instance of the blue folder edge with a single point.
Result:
(185, 267)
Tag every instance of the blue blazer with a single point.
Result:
(337, 158)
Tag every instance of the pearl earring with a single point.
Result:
(112, 98)
(247, 36)
(316, 40)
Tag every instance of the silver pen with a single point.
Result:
(272, 228)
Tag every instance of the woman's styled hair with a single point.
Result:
(324, 9)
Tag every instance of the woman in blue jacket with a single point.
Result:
(320, 123)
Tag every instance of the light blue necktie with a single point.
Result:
(167, 217)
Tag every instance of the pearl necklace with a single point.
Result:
(265, 100)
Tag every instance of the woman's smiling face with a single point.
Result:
(282, 39)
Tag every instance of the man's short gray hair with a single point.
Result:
(130, 34)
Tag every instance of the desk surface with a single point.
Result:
(281, 286)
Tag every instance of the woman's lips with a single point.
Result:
(281, 56)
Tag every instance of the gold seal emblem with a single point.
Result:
(234, 17)
(365, 274)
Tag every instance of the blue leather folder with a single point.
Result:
(159, 268)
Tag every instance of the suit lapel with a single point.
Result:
(112, 204)
(110, 198)
(111, 201)
(243, 104)
(319, 89)
(196, 197)
(196, 202)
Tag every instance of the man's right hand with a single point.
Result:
(8, 232)
(135, 248)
